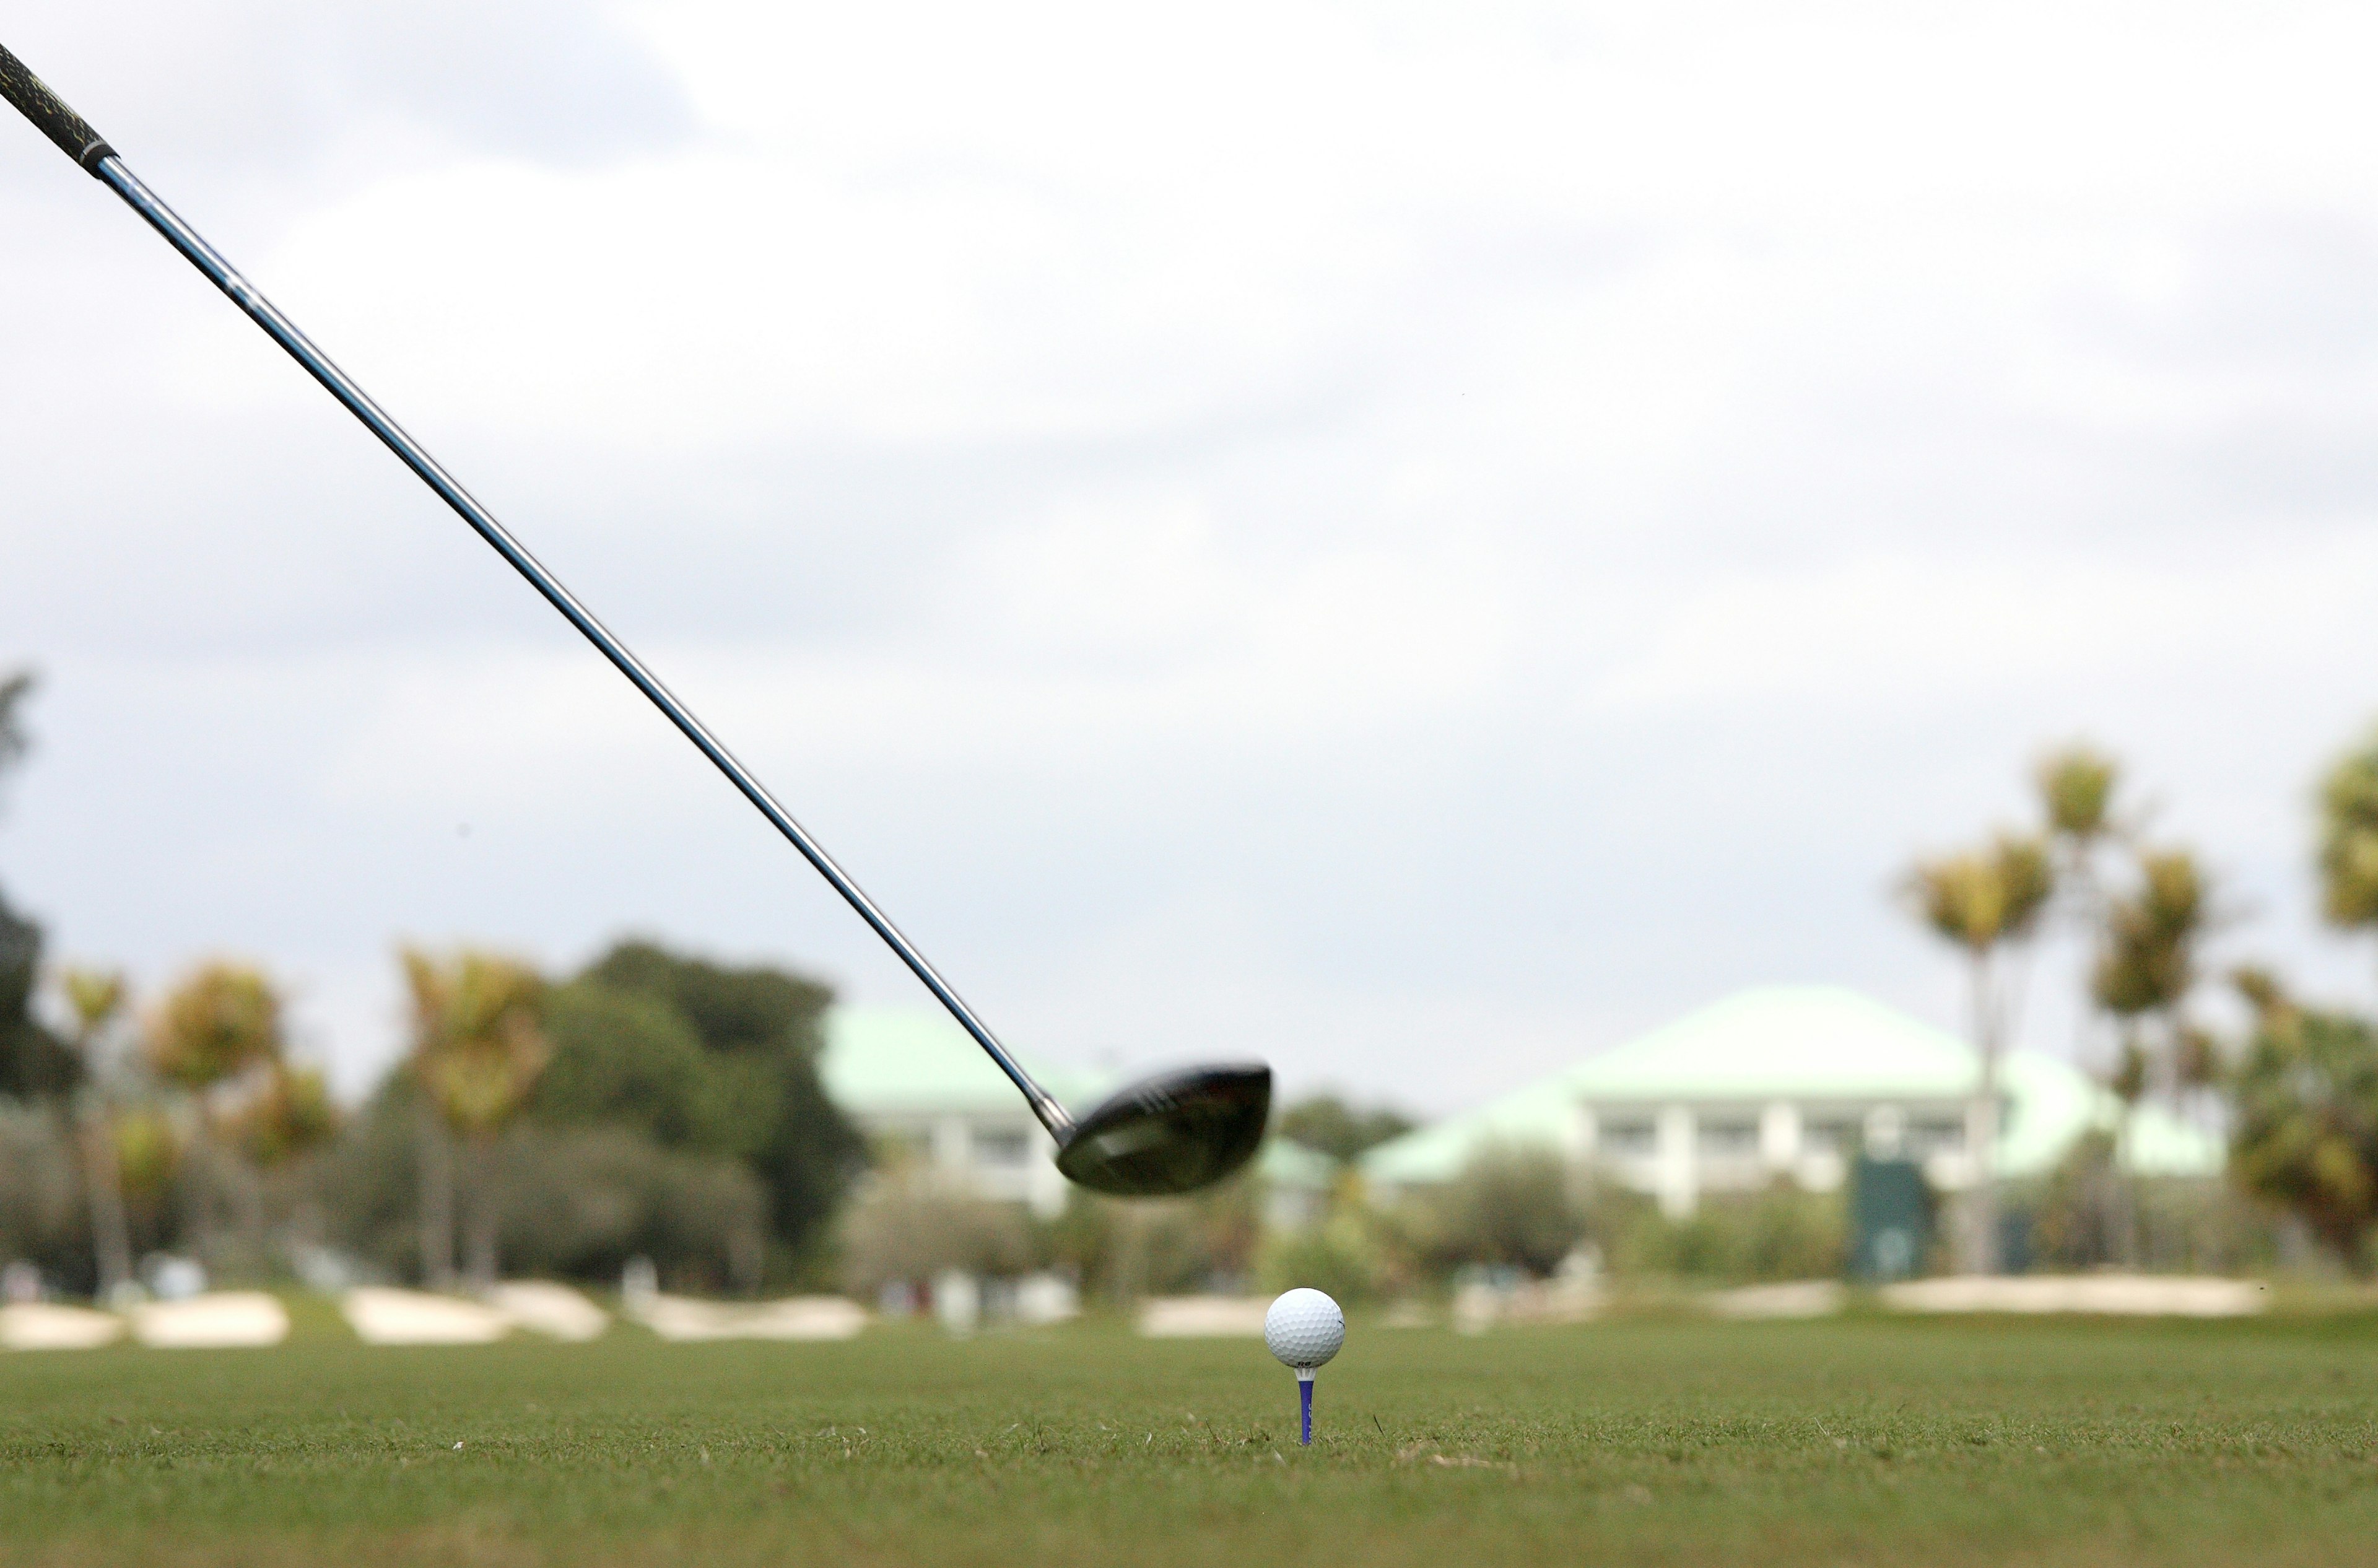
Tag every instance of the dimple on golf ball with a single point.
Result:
(1305, 1328)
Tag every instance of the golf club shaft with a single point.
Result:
(79, 141)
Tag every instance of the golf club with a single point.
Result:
(1172, 1134)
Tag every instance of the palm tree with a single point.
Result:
(2348, 839)
(14, 743)
(2076, 791)
(2145, 969)
(98, 1001)
(217, 1026)
(1984, 900)
(477, 1049)
(289, 1116)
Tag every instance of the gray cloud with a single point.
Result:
(1430, 583)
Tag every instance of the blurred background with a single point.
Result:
(1422, 542)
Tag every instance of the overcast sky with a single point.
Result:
(1413, 541)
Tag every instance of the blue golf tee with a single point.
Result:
(1304, 1398)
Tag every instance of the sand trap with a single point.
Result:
(1798, 1298)
(1202, 1317)
(222, 1319)
(383, 1316)
(38, 1326)
(2145, 1295)
(795, 1317)
(554, 1311)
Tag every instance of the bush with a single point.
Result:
(1123, 1250)
(1339, 1257)
(581, 1202)
(575, 1202)
(1779, 1233)
(1517, 1207)
(907, 1227)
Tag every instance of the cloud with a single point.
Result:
(1377, 527)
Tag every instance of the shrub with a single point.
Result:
(1779, 1233)
(1339, 1257)
(1518, 1207)
(910, 1226)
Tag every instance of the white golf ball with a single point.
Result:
(1305, 1328)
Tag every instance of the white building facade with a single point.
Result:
(1793, 1082)
(913, 1080)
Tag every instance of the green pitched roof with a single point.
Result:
(1798, 1043)
(917, 1062)
(1287, 1163)
(1782, 1042)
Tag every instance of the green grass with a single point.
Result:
(1851, 1441)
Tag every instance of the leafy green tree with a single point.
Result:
(2305, 1137)
(704, 1057)
(478, 1046)
(34, 1064)
(626, 1059)
(1986, 901)
(2348, 839)
(1327, 1125)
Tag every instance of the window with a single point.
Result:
(1728, 1138)
(1831, 1135)
(1628, 1137)
(1001, 1148)
(1935, 1135)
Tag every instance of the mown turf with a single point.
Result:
(1853, 1441)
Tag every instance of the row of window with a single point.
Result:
(1638, 1137)
(988, 1147)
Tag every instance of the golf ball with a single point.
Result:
(1305, 1328)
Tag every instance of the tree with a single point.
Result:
(34, 1064)
(2076, 792)
(478, 1045)
(1985, 901)
(2147, 966)
(2348, 839)
(2306, 1135)
(290, 1115)
(220, 1025)
(13, 742)
(1327, 1125)
(97, 1002)
(709, 1058)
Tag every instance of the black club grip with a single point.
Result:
(61, 125)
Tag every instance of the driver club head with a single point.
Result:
(1171, 1134)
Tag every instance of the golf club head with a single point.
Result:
(1171, 1134)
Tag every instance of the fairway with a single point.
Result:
(1850, 1442)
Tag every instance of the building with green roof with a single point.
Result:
(910, 1077)
(1791, 1080)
